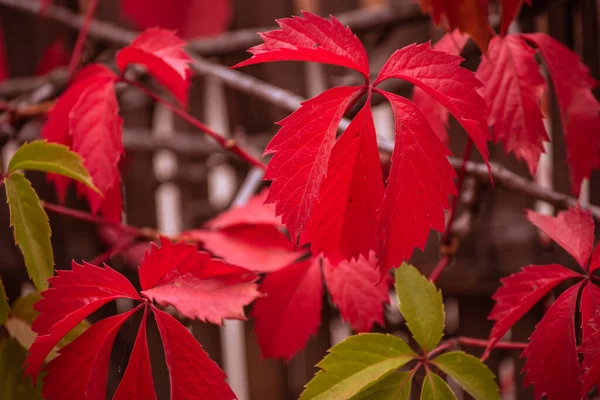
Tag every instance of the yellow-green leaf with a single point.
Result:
(435, 388)
(395, 386)
(355, 364)
(13, 385)
(4, 308)
(32, 230)
(51, 157)
(421, 306)
(470, 373)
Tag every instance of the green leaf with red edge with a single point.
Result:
(290, 311)
(579, 109)
(313, 172)
(513, 90)
(552, 364)
(572, 229)
(76, 294)
(161, 51)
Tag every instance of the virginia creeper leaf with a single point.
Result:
(4, 308)
(520, 292)
(437, 115)
(590, 348)
(13, 385)
(435, 388)
(31, 229)
(595, 261)
(552, 364)
(194, 376)
(355, 364)
(421, 306)
(513, 90)
(254, 212)
(357, 291)
(579, 109)
(137, 380)
(290, 311)
(470, 373)
(197, 285)
(55, 55)
(350, 194)
(395, 386)
(510, 10)
(40, 155)
(572, 229)
(191, 18)
(161, 51)
(418, 187)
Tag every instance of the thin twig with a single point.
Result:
(474, 342)
(81, 37)
(118, 248)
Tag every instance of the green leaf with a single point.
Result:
(51, 157)
(4, 308)
(395, 386)
(435, 388)
(32, 231)
(13, 385)
(355, 364)
(470, 373)
(421, 306)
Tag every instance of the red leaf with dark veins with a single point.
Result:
(74, 295)
(437, 114)
(161, 51)
(572, 229)
(191, 18)
(137, 380)
(196, 284)
(290, 311)
(96, 130)
(311, 38)
(193, 375)
(590, 348)
(81, 370)
(260, 248)
(513, 90)
(254, 212)
(301, 150)
(520, 292)
(358, 291)
(350, 194)
(440, 75)
(579, 109)
(552, 364)
(418, 187)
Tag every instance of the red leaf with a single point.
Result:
(261, 248)
(137, 380)
(290, 312)
(191, 18)
(552, 364)
(520, 292)
(81, 370)
(590, 348)
(513, 91)
(510, 11)
(440, 75)
(579, 109)
(96, 130)
(357, 290)
(55, 55)
(420, 181)
(74, 296)
(350, 194)
(301, 152)
(197, 285)
(311, 38)
(437, 115)
(573, 230)
(595, 262)
(161, 51)
(254, 212)
(194, 376)
(3, 58)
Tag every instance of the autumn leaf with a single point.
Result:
(329, 191)
(81, 369)
(161, 51)
(55, 55)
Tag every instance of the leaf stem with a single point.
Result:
(439, 268)
(120, 247)
(474, 342)
(82, 36)
(227, 144)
